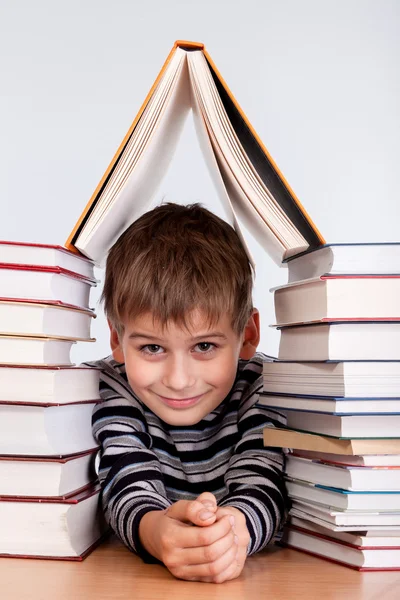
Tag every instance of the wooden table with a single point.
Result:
(113, 573)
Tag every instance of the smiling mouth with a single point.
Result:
(181, 403)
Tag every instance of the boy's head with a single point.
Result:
(178, 298)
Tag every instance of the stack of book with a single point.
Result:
(337, 380)
(48, 491)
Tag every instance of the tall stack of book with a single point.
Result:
(48, 491)
(337, 380)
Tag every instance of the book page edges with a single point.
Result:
(262, 146)
(69, 244)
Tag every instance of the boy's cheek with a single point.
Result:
(141, 374)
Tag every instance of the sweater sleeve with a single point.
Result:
(254, 478)
(129, 471)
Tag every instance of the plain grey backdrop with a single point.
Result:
(318, 79)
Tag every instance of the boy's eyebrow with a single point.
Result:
(134, 335)
(213, 334)
(210, 334)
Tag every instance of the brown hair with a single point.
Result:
(175, 259)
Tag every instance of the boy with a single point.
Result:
(186, 480)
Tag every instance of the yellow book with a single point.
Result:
(248, 182)
(300, 440)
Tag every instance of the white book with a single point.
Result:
(377, 538)
(34, 351)
(43, 528)
(345, 426)
(345, 520)
(339, 259)
(338, 298)
(340, 406)
(47, 320)
(341, 341)
(367, 460)
(336, 379)
(46, 430)
(51, 477)
(48, 385)
(360, 558)
(344, 477)
(343, 499)
(50, 284)
(46, 255)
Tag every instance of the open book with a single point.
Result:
(248, 182)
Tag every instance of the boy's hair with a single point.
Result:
(175, 259)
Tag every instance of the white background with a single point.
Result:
(318, 79)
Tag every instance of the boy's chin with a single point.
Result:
(182, 418)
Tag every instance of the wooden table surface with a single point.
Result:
(112, 572)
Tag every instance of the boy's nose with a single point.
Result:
(178, 375)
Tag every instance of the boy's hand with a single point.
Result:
(242, 535)
(206, 552)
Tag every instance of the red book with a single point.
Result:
(48, 385)
(53, 477)
(355, 297)
(64, 529)
(23, 253)
(46, 429)
(360, 557)
(20, 317)
(44, 283)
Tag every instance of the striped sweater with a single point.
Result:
(146, 464)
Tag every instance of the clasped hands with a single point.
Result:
(197, 540)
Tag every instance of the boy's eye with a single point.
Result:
(205, 346)
(151, 349)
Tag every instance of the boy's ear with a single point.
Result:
(116, 348)
(251, 336)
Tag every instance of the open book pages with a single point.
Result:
(247, 181)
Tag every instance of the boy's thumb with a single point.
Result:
(192, 512)
(209, 500)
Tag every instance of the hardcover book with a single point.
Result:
(248, 181)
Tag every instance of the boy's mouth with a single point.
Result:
(181, 403)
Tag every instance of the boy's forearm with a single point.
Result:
(256, 487)
(149, 528)
(262, 513)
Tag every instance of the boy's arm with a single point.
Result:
(254, 476)
(129, 471)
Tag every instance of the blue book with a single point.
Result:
(343, 499)
(332, 405)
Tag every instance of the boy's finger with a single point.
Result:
(209, 500)
(231, 572)
(197, 537)
(209, 571)
(212, 552)
(190, 511)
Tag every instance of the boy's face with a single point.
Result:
(183, 375)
